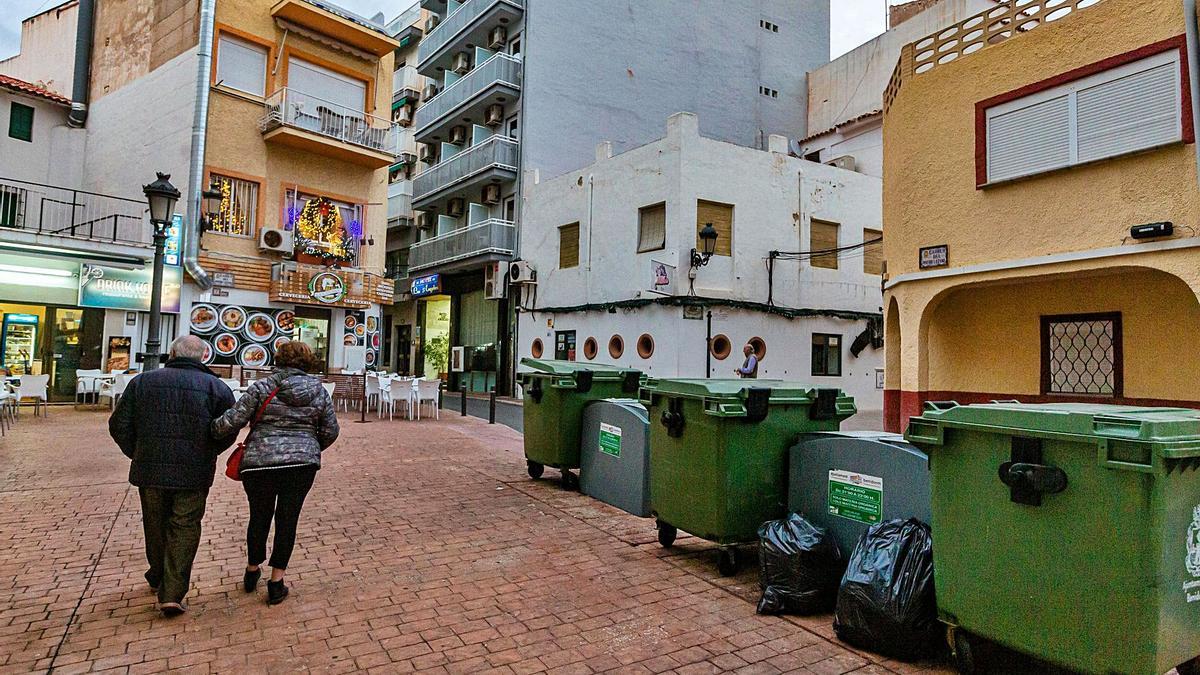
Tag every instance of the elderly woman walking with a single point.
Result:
(292, 421)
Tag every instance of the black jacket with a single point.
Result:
(162, 423)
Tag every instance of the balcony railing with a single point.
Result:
(292, 108)
(399, 206)
(499, 68)
(498, 237)
(406, 77)
(497, 151)
(408, 18)
(65, 212)
(453, 24)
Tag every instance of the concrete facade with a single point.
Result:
(47, 49)
(52, 156)
(774, 199)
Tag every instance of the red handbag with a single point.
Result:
(233, 465)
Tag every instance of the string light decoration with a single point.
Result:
(320, 232)
(230, 219)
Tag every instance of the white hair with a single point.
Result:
(188, 347)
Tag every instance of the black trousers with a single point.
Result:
(171, 522)
(275, 494)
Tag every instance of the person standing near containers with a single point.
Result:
(294, 422)
(749, 369)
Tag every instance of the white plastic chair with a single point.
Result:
(387, 398)
(115, 389)
(34, 387)
(428, 392)
(87, 382)
(329, 389)
(372, 384)
(403, 391)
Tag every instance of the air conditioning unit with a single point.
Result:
(498, 38)
(491, 194)
(495, 281)
(407, 158)
(403, 115)
(431, 23)
(494, 116)
(458, 135)
(428, 153)
(454, 208)
(521, 272)
(461, 63)
(425, 221)
(844, 162)
(430, 90)
(275, 240)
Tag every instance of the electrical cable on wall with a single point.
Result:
(701, 301)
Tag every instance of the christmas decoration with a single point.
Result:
(320, 233)
(229, 220)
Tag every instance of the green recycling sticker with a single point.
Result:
(610, 440)
(856, 496)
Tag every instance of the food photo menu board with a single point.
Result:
(363, 331)
(244, 336)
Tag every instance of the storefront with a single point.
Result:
(461, 334)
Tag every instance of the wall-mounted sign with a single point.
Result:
(113, 288)
(662, 278)
(223, 279)
(934, 256)
(430, 284)
(693, 312)
(327, 288)
(174, 246)
(130, 318)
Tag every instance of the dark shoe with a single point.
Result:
(276, 592)
(250, 581)
(170, 609)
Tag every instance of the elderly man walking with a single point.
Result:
(162, 423)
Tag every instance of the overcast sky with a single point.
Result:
(854, 21)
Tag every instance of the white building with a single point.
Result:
(595, 236)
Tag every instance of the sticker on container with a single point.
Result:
(610, 440)
(1191, 589)
(856, 496)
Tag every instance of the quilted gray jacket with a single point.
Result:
(298, 423)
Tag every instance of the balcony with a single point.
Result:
(39, 219)
(300, 120)
(406, 27)
(470, 23)
(468, 247)
(400, 208)
(406, 86)
(497, 80)
(492, 161)
(331, 21)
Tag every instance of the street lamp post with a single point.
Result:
(162, 197)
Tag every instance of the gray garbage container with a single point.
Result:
(614, 455)
(846, 481)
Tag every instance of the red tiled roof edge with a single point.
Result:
(23, 87)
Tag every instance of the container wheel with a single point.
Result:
(1190, 668)
(569, 480)
(666, 534)
(727, 564)
(966, 653)
(535, 469)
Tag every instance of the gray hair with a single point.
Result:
(188, 347)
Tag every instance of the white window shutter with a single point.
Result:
(242, 65)
(1135, 112)
(1029, 140)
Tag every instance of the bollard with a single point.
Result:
(492, 407)
(464, 401)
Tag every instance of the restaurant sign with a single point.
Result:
(114, 288)
(327, 288)
(430, 284)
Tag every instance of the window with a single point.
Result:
(1082, 355)
(20, 122)
(823, 236)
(872, 253)
(568, 246)
(12, 206)
(510, 208)
(826, 355)
(513, 128)
(343, 244)
(652, 228)
(514, 46)
(1125, 109)
(242, 65)
(315, 87)
(238, 211)
(767, 25)
(721, 217)
(768, 92)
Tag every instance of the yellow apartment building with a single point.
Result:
(1041, 209)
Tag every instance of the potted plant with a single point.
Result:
(437, 352)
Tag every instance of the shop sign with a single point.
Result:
(223, 279)
(326, 288)
(662, 278)
(934, 256)
(173, 249)
(113, 288)
(430, 284)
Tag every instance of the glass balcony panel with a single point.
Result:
(499, 68)
(497, 151)
(494, 236)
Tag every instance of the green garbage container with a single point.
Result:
(1068, 532)
(554, 394)
(718, 453)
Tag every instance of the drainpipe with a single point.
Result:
(1193, 56)
(191, 237)
(84, 29)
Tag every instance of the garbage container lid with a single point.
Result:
(1079, 419)
(735, 388)
(554, 368)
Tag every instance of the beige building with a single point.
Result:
(47, 56)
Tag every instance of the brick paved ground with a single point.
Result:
(424, 547)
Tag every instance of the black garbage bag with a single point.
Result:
(799, 567)
(886, 601)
